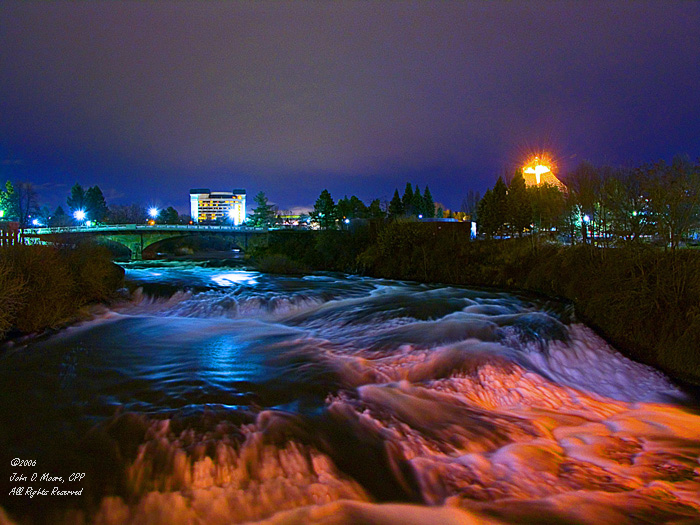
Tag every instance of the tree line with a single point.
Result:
(328, 214)
(657, 203)
(20, 202)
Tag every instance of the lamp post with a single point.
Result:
(587, 221)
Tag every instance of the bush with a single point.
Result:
(94, 274)
(49, 285)
(282, 264)
(12, 292)
(44, 286)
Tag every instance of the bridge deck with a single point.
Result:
(141, 228)
(138, 237)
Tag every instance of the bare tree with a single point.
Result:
(26, 202)
(585, 194)
(674, 198)
(470, 203)
(132, 214)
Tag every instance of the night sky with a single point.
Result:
(150, 100)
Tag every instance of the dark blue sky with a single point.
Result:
(147, 100)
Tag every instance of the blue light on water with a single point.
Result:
(235, 278)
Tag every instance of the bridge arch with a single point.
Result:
(239, 242)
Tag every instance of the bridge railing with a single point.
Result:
(144, 227)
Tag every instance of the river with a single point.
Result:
(220, 395)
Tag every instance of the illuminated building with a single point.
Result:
(217, 206)
(538, 172)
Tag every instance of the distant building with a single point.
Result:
(217, 206)
(538, 172)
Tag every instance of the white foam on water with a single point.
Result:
(175, 480)
(502, 440)
(217, 304)
(587, 362)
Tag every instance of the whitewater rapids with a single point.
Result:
(218, 395)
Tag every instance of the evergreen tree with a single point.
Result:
(519, 210)
(170, 216)
(500, 204)
(7, 202)
(324, 213)
(95, 204)
(418, 204)
(343, 208)
(407, 200)
(487, 215)
(396, 208)
(374, 211)
(358, 210)
(439, 213)
(76, 200)
(59, 218)
(263, 214)
(429, 204)
(492, 209)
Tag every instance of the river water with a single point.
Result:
(220, 395)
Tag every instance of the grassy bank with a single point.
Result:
(645, 301)
(44, 287)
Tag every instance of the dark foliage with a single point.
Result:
(325, 213)
(95, 204)
(46, 286)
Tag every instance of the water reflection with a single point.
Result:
(235, 278)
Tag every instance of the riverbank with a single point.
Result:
(644, 301)
(45, 287)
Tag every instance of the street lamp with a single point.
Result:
(79, 215)
(232, 215)
(153, 212)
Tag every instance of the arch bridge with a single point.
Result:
(138, 237)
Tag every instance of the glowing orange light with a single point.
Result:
(534, 167)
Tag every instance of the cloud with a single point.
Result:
(164, 96)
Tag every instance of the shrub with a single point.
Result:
(49, 285)
(12, 292)
(44, 286)
(94, 274)
(276, 263)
